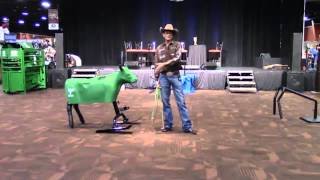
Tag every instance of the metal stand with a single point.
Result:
(310, 119)
(277, 101)
(116, 126)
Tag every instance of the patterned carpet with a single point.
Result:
(238, 138)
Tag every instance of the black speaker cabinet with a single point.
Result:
(296, 54)
(59, 77)
(295, 80)
(209, 66)
(49, 78)
(310, 81)
(265, 59)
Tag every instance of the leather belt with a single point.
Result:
(169, 73)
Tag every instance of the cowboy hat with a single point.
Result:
(169, 27)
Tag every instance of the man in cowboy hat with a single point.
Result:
(167, 72)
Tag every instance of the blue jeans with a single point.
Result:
(166, 82)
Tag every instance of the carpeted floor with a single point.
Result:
(238, 138)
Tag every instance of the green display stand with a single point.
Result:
(23, 68)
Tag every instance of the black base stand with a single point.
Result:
(311, 119)
(117, 127)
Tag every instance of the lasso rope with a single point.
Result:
(157, 99)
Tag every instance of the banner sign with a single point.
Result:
(53, 19)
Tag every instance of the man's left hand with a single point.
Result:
(159, 68)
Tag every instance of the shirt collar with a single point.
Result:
(164, 44)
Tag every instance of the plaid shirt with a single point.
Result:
(166, 53)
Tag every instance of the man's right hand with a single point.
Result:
(158, 69)
(158, 84)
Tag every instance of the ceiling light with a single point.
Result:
(21, 21)
(36, 24)
(306, 18)
(44, 18)
(25, 13)
(5, 19)
(45, 4)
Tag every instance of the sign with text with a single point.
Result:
(53, 19)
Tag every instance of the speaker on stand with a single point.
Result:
(49, 78)
(57, 77)
(59, 50)
(295, 79)
(296, 52)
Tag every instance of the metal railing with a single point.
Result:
(277, 101)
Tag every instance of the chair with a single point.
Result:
(215, 61)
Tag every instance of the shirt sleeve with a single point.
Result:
(177, 55)
(156, 56)
(6, 31)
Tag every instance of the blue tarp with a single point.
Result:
(188, 83)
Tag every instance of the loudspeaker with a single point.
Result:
(296, 54)
(59, 50)
(265, 59)
(132, 64)
(270, 61)
(310, 81)
(265, 55)
(209, 66)
(59, 77)
(49, 78)
(295, 80)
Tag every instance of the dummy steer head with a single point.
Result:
(126, 75)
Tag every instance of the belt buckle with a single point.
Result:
(169, 73)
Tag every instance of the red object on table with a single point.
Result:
(141, 50)
(214, 50)
(148, 50)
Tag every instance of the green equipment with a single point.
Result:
(23, 68)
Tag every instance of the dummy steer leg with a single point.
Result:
(70, 117)
(76, 107)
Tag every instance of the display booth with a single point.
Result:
(47, 43)
(23, 67)
(25, 59)
(309, 56)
